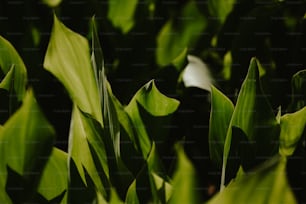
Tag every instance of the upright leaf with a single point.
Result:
(292, 127)
(221, 112)
(298, 91)
(184, 181)
(121, 14)
(254, 116)
(180, 33)
(25, 144)
(68, 59)
(9, 58)
(268, 184)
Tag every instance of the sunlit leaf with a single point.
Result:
(254, 116)
(121, 14)
(221, 112)
(164, 188)
(9, 58)
(86, 133)
(268, 184)
(7, 82)
(54, 180)
(25, 144)
(148, 100)
(68, 59)
(185, 181)
(179, 34)
(292, 127)
(131, 195)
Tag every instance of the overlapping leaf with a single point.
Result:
(13, 66)
(68, 59)
(25, 144)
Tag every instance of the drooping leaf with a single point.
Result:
(180, 33)
(54, 180)
(148, 99)
(292, 126)
(221, 8)
(184, 181)
(68, 59)
(221, 112)
(121, 14)
(9, 58)
(254, 116)
(298, 91)
(85, 132)
(25, 144)
(268, 184)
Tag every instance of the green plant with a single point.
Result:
(115, 151)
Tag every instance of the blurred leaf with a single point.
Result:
(131, 195)
(149, 99)
(181, 61)
(6, 83)
(84, 131)
(68, 59)
(254, 116)
(298, 91)
(266, 185)
(121, 14)
(25, 144)
(292, 127)
(54, 180)
(221, 8)
(164, 188)
(114, 198)
(184, 181)
(9, 58)
(221, 112)
(52, 3)
(179, 34)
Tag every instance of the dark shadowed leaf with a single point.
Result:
(221, 8)
(298, 91)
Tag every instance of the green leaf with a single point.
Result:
(6, 83)
(221, 8)
(292, 127)
(180, 33)
(164, 188)
(68, 59)
(85, 137)
(9, 58)
(221, 112)
(268, 184)
(25, 144)
(184, 181)
(148, 100)
(131, 195)
(121, 14)
(52, 3)
(54, 180)
(298, 91)
(254, 116)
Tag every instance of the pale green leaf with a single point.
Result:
(162, 186)
(184, 181)
(9, 58)
(268, 184)
(54, 180)
(148, 105)
(121, 14)
(52, 3)
(292, 127)
(68, 59)
(25, 143)
(180, 33)
(221, 112)
(131, 195)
